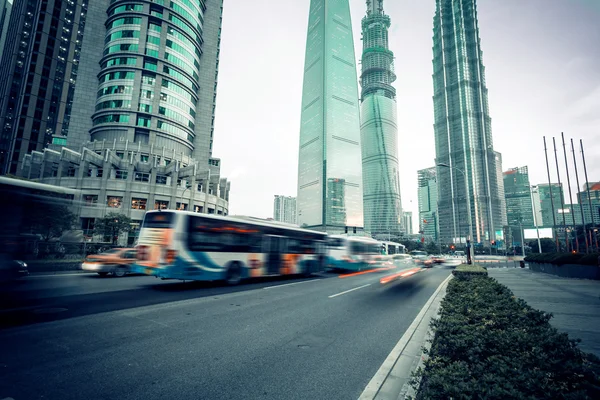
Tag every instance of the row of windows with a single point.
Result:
(180, 77)
(126, 7)
(180, 36)
(117, 89)
(166, 127)
(147, 108)
(182, 11)
(177, 102)
(175, 115)
(176, 88)
(181, 63)
(121, 47)
(113, 104)
(112, 118)
(122, 34)
(117, 75)
(150, 65)
(183, 51)
(153, 39)
(119, 61)
(125, 21)
(183, 25)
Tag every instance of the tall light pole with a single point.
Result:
(537, 230)
(469, 248)
(182, 193)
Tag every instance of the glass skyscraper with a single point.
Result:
(428, 199)
(519, 208)
(329, 165)
(462, 125)
(379, 137)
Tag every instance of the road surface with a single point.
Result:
(86, 337)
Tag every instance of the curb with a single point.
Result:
(393, 379)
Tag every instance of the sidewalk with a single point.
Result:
(574, 303)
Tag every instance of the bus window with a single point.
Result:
(159, 220)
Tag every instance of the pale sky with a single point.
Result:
(542, 60)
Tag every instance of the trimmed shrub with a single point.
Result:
(489, 344)
(466, 271)
(564, 258)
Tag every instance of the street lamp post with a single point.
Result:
(183, 193)
(470, 245)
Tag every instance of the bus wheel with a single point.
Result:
(234, 274)
(120, 272)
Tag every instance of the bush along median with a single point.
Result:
(489, 344)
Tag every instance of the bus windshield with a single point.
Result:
(159, 220)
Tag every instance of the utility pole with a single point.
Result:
(570, 193)
(554, 232)
(587, 245)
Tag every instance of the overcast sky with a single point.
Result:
(542, 60)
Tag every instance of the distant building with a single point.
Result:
(517, 192)
(407, 224)
(284, 209)
(591, 193)
(551, 196)
(500, 178)
(428, 199)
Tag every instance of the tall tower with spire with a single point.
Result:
(463, 129)
(378, 131)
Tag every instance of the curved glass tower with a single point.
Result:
(329, 168)
(150, 66)
(379, 137)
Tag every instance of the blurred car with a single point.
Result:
(402, 259)
(438, 259)
(11, 270)
(421, 258)
(114, 261)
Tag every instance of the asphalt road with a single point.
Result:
(140, 338)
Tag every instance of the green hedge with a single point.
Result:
(466, 271)
(489, 344)
(564, 258)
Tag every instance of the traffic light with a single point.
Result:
(346, 230)
(354, 229)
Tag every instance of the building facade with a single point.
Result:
(407, 222)
(500, 178)
(589, 198)
(551, 200)
(462, 126)
(38, 75)
(378, 130)
(428, 201)
(141, 133)
(329, 165)
(517, 191)
(5, 11)
(284, 209)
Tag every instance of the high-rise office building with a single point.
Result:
(329, 164)
(379, 137)
(284, 209)
(407, 222)
(500, 179)
(428, 199)
(5, 11)
(591, 194)
(137, 121)
(550, 204)
(462, 125)
(38, 74)
(519, 208)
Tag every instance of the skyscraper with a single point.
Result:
(284, 209)
(500, 178)
(407, 223)
(519, 208)
(549, 202)
(329, 165)
(38, 74)
(428, 199)
(462, 125)
(379, 137)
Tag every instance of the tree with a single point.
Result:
(112, 225)
(432, 248)
(49, 220)
(548, 245)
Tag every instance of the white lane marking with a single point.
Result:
(55, 275)
(378, 380)
(290, 284)
(348, 291)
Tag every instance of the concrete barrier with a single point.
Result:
(567, 270)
